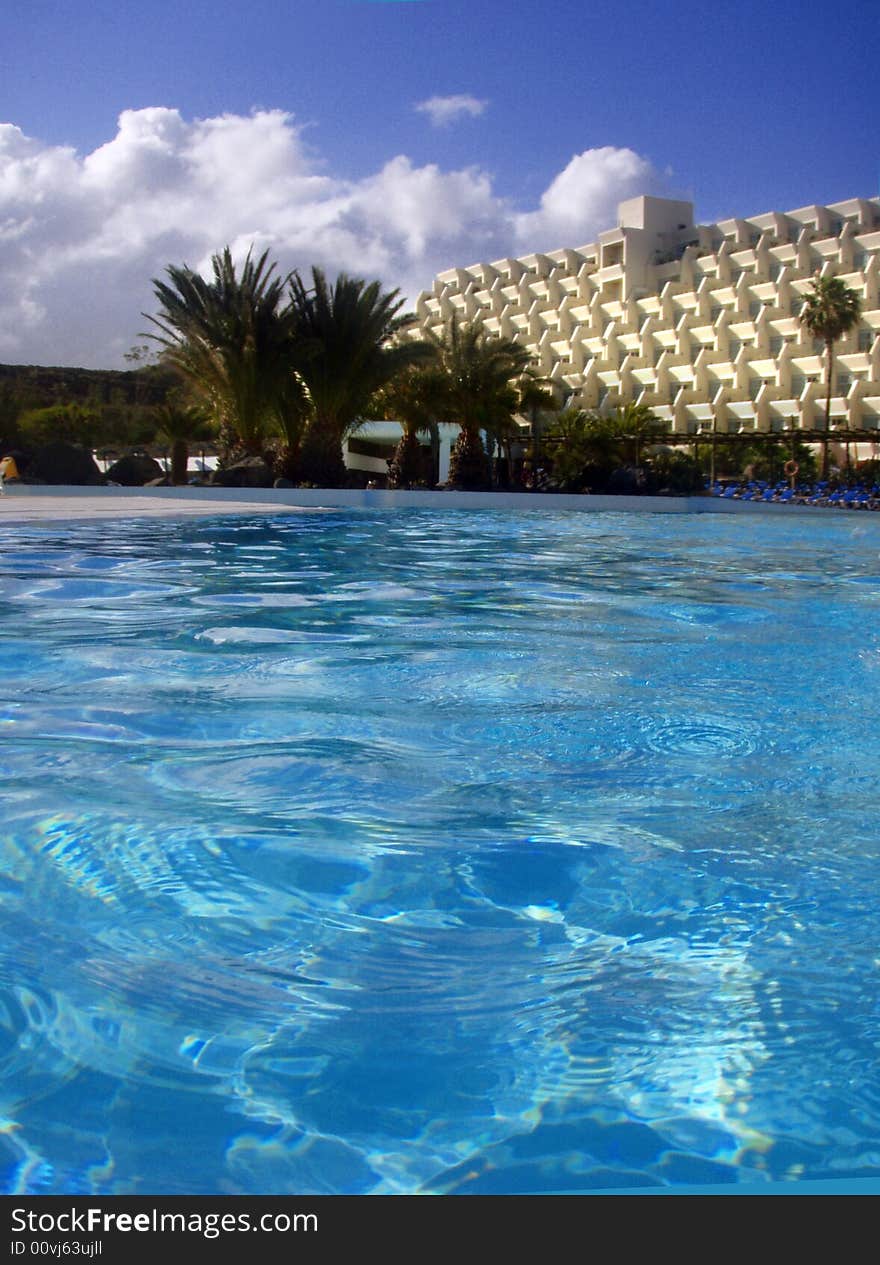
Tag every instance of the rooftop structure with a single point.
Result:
(699, 322)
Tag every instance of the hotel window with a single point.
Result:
(755, 309)
(866, 339)
(776, 346)
(733, 348)
(798, 383)
(844, 382)
(860, 260)
(755, 385)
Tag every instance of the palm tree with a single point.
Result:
(831, 310)
(524, 399)
(476, 381)
(502, 429)
(535, 402)
(586, 447)
(233, 340)
(351, 330)
(583, 448)
(181, 424)
(412, 398)
(636, 422)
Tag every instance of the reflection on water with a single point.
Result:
(476, 852)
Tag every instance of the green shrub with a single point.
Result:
(68, 423)
(675, 472)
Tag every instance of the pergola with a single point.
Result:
(786, 438)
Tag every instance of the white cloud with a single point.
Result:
(443, 110)
(81, 237)
(584, 196)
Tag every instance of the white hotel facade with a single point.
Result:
(700, 322)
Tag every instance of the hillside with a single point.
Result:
(37, 386)
(92, 407)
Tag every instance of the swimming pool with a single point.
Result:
(479, 852)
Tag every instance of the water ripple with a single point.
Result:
(708, 736)
(522, 857)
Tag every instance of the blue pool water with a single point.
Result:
(475, 852)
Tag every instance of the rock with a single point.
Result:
(134, 471)
(24, 461)
(61, 463)
(250, 472)
(283, 483)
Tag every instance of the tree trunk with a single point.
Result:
(179, 461)
(435, 457)
(405, 467)
(469, 463)
(829, 363)
(491, 448)
(321, 462)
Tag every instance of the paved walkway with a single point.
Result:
(32, 508)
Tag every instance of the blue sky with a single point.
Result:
(742, 109)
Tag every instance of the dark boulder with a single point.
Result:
(61, 463)
(134, 471)
(249, 472)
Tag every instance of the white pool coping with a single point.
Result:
(31, 503)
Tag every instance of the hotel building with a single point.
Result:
(699, 322)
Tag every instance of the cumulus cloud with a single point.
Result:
(443, 110)
(585, 195)
(81, 237)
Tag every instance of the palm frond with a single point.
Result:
(232, 338)
(354, 331)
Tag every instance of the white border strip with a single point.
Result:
(209, 499)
